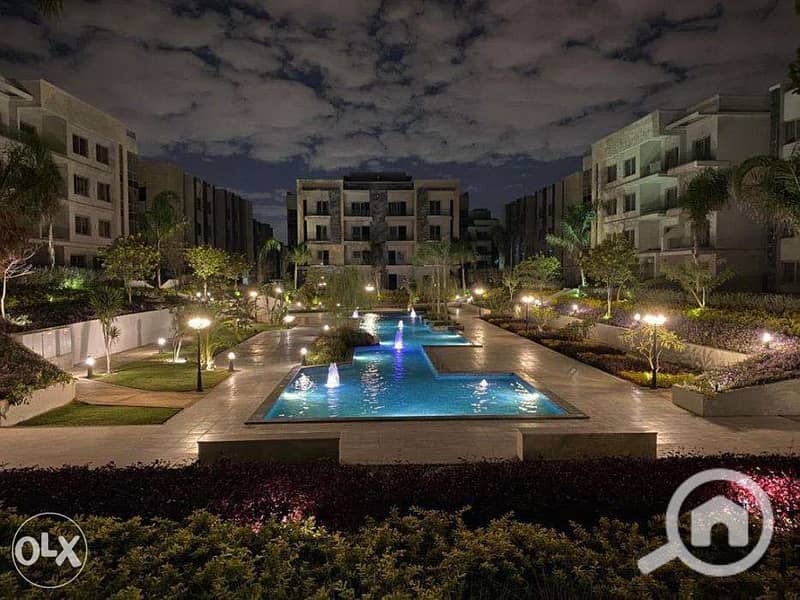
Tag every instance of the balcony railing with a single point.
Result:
(356, 212)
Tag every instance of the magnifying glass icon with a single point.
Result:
(675, 546)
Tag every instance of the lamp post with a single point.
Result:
(654, 321)
(766, 339)
(231, 358)
(303, 352)
(478, 292)
(254, 297)
(527, 301)
(161, 343)
(198, 324)
(89, 367)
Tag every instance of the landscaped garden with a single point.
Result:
(521, 529)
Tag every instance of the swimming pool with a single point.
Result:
(395, 381)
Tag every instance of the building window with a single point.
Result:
(435, 232)
(672, 158)
(629, 167)
(611, 173)
(789, 272)
(360, 233)
(435, 207)
(104, 229)
(359, 209)
(323, 207)
(702, 149)
(611, 207)
(104, 192)
(322, 232)
(397, 209)
(80, 185)
(791, 131)
(324, 257)
(83, 225)
(630, 236)
(77, 260)
(27, 128)
(671, 197)
(80, 145)
(101, 153)
(630, 202)
(398, 233)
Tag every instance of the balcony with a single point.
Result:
(355, 211)
(357, 238)
(358, 261)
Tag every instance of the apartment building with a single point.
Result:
(214, 216)
(96, 155)
(291, 219)
(531, 218)
(640, 170)
(784, 143)
(480, 232)
(374, 221)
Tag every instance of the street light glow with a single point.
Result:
(527, 299)
(254, 294)
(657, 320)
(161, 342)
(479, 291)
(198, 323)
(369, 288)
(231, 355)
(90, 361)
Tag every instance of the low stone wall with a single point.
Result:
(773, 399)
(572, 444)
(41, 401)
(70, 345)
(304, 448)
(702, 357)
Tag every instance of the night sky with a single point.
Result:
(504, 95)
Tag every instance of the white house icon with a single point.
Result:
(720, 510)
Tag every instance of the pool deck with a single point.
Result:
(611, 404)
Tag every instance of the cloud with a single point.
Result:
(339, 84)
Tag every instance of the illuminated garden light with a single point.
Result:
(90, 362)
(766, 339)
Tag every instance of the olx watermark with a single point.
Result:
(718, 510)
(49, 550)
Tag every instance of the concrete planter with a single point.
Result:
(772, 399)
(41, 401)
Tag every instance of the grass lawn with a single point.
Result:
(158, 375)
(79, 413)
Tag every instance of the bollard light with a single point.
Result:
(326, 328)
(766, 339)
(574, 308)
(231, 358)
(303, 352)
(89, 367)
(161, 343)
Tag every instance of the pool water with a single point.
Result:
(388, 382)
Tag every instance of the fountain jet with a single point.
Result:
(413, 314)
(400, 324)
(303, 383)
(398, 340)
(333, 376)
(483, 385)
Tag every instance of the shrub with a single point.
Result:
(576, 331)
(23, 371)
(336, 345)
(422, 555)
(772, 366)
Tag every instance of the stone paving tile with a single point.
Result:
(610, 403)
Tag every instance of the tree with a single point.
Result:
(106, 302)
(613, 262)
(640, 340)
(129, 259)
(576, 230)
(345, 290)
(15, 254)
(769, 188)
(50, 7)
(299, 256)
(271, 250)
(464, 255)
(705, 193)
(511, 281)
(539, 271)
(207, 263)
(437, 256)
(696, 279)
(161, 223)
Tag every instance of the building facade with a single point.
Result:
(96, 155)
(639, 171)
(785, 143)
(214, 216)
(374, 221)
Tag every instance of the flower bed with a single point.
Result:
(552, 493)
(611, 360)
(423, 555)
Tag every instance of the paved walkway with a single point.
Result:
(611, 404)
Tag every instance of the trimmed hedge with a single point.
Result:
(335, 345)
(552, 493)
(23, 371)
(426, 555)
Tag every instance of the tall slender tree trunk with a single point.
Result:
(608, 301)
(3, 298)
(295, 276)
(463, 278)
(51, 251)
(108, 356)
(158, 269)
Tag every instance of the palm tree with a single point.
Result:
(575, 238)
(463, 253)
(161, 222)
(106, 302)
(271, 248)
(299, 256)
(704, 194)
(769, 189)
